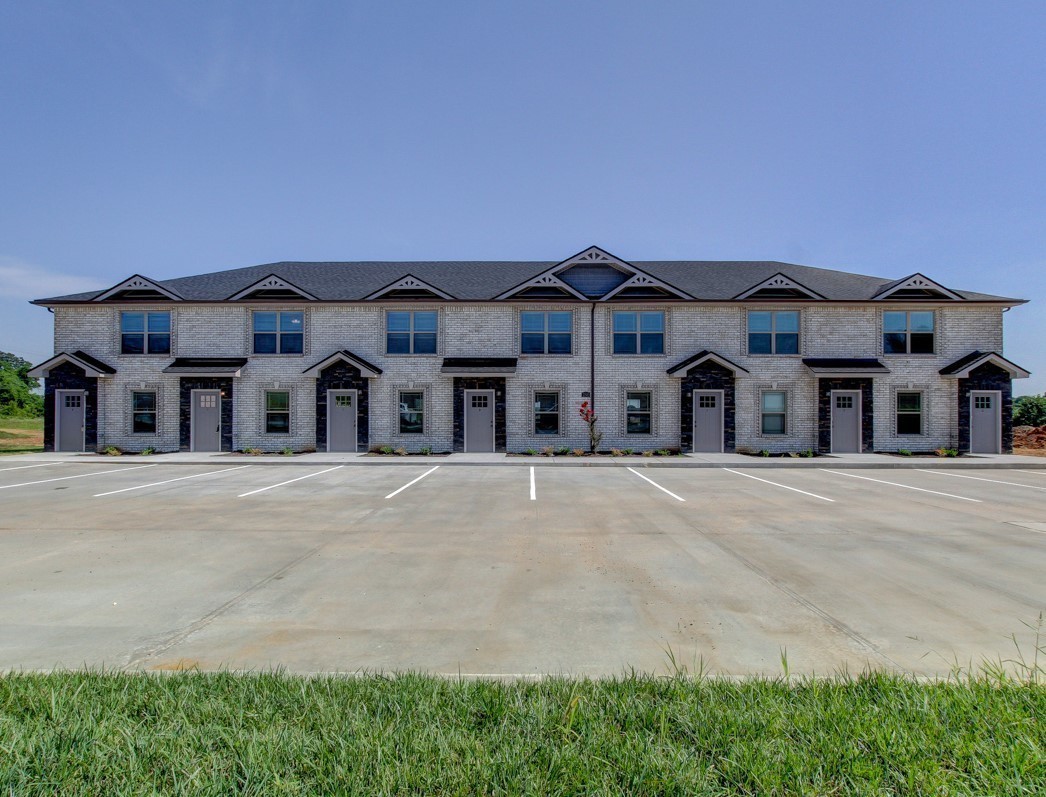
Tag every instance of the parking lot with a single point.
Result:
(515, 570)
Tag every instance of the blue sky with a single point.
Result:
(177, 138)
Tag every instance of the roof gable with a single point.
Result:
(409, 287)
(138, 288)
(916, 286)
(779, 286)
(272, 287)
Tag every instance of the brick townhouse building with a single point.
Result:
(499, 356)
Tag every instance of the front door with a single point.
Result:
(708, 421)
(341, 420)
(846, 421)
(70, 414)
(206, 420)
(985, 423)
(479, 420)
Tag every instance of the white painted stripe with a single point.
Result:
(1036, 472)
(775, 484)
(179, 479)
(412, 481)
(658, 486)
(533, 486)
(23, 467)
(289, 481)
(981, 479)
(80, 476)
(905, 486)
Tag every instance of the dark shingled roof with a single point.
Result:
(483, 280)
(849, 363)
(94, 362)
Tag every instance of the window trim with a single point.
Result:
(907, 333)
(155, 411)
(558, 413)
(545, 333)
(267, 412)
(763, 413)
(145, 333)
(279, 333)
(773, 333)
(650, 412)
(399, 411)
(411, 332)
(638, 333)
(897, 413)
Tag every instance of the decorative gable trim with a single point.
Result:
(137, 283)
(690, 363)
(271, 283)
(643, 280)
(961, 368)
(778, 282)
(546, 280)
(409, 283)
(366, 369)
(91, 367)
(916, 282)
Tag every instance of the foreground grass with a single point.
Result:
(210, 734)
(21, 435)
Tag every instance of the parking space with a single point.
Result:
(503, 570)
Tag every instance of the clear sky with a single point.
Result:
(177, 138)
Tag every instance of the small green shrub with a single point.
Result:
(531, 452)
(904, 452)
(386, 450)
(425, 450)
(113, 451)
(664, 452)
(765, 452)
(807, 453)
(286, 451)
(147, 451)
(562, 451)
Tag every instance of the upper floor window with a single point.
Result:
(279, 333)
(908, 332)
(145, 333)
(545, 333)
(773, 331)
(410, 331)
(639, 333)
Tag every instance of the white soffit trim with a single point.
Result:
(271, 283)
(363, 368)
(409, 283)
(138, 283)
(734, 368)
(41, 371)
(779, 282)
(917, 282)
(1015, 371)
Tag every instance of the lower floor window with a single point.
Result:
(412, 412)
(277, 412)
(774, 411)
(143, 412)
(909, 412)
(638, 412)
(546, 413)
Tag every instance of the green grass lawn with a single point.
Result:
(21, 435)
(217, 734)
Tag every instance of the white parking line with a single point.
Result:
(289, 481)
(981, 479)
(1036, 472)
(179, 479)
(23, 467)
(658, 486)
(905, 486)
(79, 476)
(775, 484)
(533, 486)
(412, 481)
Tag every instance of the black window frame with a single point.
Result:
(412, 335)
(638, 337)
(151, 342)
(648, 412)
(403, 413)
(285, 342)
(918, 414)
(272, 414)
(909, 336)
(775, 338)
(546, 334)
(143, 414)
(557, 413)
(764, 413)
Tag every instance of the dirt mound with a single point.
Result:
(1029, 437)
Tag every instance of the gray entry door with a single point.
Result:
(70, 420)
(479, 420)
(846, 421)
(341, 420)
(206, 420)
(708, 421)
(984, 423)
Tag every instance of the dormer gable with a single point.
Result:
(274, 289)
(916, 287)
(138, 289)
(409, 287)
(778, 287)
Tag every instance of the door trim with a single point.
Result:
(722, 419)
(192, 414)
(465, 420)
(355, 406)
(998, 419)
(58, 395)
(860, 419)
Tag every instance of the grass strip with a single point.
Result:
(260, 734)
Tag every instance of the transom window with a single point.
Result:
(277, 412)
(546, 413)
(909, 412)
(143, 412)
(412, 412)
(545, 333)
(638, 413)
(145, 333)
(410, 332)
(279, 332)
(639, 332)
(908, 332)
(773, 331)
(774, 411)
